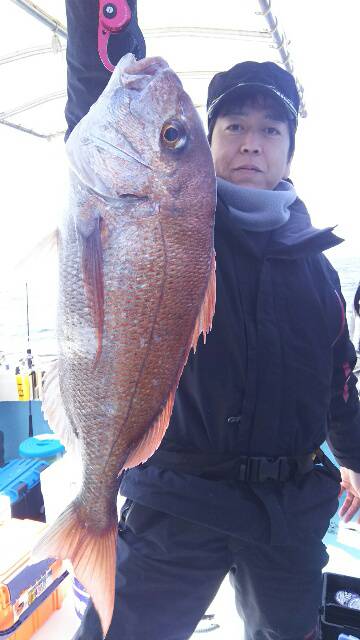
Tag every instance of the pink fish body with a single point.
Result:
(137, 287)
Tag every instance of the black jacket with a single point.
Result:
(273, 379)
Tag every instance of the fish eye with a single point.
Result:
(173, 134)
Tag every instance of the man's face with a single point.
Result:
(250, 146)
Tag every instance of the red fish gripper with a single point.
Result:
(113, 16)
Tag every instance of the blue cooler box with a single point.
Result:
(20, 480)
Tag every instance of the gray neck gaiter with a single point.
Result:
(258, 209)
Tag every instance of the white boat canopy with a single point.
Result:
(197, 38)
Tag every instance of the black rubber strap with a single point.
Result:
(242, 468)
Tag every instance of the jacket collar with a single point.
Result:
(296, 238)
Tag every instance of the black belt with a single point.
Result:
(242, 468)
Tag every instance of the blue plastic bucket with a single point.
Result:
(44, 447)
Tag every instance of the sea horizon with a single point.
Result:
(42, 310)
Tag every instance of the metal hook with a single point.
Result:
(55, 43)
(113, 16)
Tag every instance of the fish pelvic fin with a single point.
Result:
(43, 250)
(93, 558)
(204, 320)
(152, 438)
(92, 265)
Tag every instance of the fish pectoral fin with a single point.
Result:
(92, 267)
(152, 438)
(93, 557)
(204, 320)
(54, 410)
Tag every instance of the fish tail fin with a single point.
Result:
(92, 555)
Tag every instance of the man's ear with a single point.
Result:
(287, 169)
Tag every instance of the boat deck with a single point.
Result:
(63, 624)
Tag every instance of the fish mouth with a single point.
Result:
(149, 66)
(117, 151)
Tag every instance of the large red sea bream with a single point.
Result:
(137, 287)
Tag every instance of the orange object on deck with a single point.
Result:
(41, 614)
(29, 593)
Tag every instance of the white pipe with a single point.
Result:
(42, 16)
(27, 53)
(281, 44)
(19, 127)
(31, 105)
(206, 32)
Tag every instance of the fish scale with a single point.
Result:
(136, 288)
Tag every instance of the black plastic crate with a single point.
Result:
(336, 618)
(30, 505)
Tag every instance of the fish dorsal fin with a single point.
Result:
(54, 410)
(153, 437)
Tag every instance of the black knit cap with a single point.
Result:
(268, 77)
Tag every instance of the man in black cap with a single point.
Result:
(239, 485)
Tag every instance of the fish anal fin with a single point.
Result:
(152, 438)
(54, 410)
(204, 320)
(93, 558)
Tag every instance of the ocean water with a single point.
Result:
(42, 310)
(348, 268)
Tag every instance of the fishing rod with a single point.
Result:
(29, 364)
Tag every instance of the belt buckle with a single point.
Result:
(242, 471)
(261, 469)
